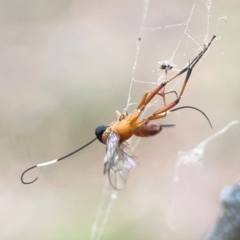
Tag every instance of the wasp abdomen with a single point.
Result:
(147, 130)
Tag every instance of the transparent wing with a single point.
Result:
(117, 161)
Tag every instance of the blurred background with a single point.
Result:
(65, 67)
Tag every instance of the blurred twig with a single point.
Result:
(227, 226)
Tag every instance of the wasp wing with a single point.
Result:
(117, 161)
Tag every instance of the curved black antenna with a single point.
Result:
(53, 161)
(175, 109)
(27, 171)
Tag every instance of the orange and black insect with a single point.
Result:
(117, 161)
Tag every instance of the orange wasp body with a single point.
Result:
(127, 125)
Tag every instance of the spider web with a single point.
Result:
(66, 66)
(178, 39)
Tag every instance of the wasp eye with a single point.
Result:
(99, 132)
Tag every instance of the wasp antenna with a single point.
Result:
(27, 171)
(79, 149)
(175, 109)
(52, 162)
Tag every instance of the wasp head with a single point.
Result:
(99, 132)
